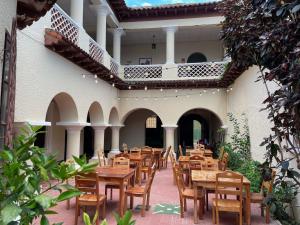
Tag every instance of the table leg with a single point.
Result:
(121, 205)
(139, 173)
(248, 205)
(196, 220)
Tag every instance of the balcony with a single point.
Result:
(87, 53)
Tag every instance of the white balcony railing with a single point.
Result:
(58, 20)
(144, 72)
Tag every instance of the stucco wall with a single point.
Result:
(130, 54)
(42, 74)
(247, 97)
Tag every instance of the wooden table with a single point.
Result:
(202, 178)
(138, 160)
(207, 152)
(116, 175)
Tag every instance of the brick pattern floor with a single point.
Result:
(163, 192)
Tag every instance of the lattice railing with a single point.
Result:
(95, 51)
(208, 70)
(114, 67)
(63, 24)
(142, 71)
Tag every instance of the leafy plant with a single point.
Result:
(267, 34)
(27, 174)
(125, 220)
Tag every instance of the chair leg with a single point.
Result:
(111, 194)
(262, 210)
(104, 210)
(125, 202)
(206, 197)
(214, 215)
(98, 216)
(267, 215)
(181, 208)
(148, 201)
(217, 216)
(241, 217)
(76, 213)
(143, 206)
(131, 202)
(184, 204)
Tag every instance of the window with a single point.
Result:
(196, 57)
(4, 88)
(151, 122)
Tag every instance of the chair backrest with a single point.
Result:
(179, 179)
(146, 150)
(135, 151)
(88, 183)
(221, 153)
(122, 154)
(224, 161)
(180, 150)
(172, 159)
(197, 162)
(101, 158)
(121, 162)
(211, 164)
(125, 148)
(230, 184)
(197, 152)
(167, 152)
(151, 177)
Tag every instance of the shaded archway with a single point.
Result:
(62, 108)
(95, 116)
(142, 127)
(198, 126)
(113, 121)
(196, 57)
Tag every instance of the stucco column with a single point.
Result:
(170, 44)
(118, 32)
(98, 138)
(73, 141)
(115, 135)
(170, 136)
(76, 11)
(102, 12)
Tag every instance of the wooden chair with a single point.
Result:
(101, 158)
(125, 148)
(197, 162)
(119, 162)
(186, 193)
(141, 191)
(228, 183)
(224, 161)
(135, 151)
(146, 169)
(164, 159)
(88, 184)
(197, 152)
(266, 187)
(180, 150)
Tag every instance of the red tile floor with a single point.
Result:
(163, 191)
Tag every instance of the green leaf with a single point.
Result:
(6, 155)
(50, 212)
(9, 213)
(44, 201)
(86, 219)
(44, 221)
(67, 195)
(78, 161)
(95, 218)
(104, 222)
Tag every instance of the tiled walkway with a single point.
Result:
(163, 191)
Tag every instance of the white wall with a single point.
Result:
(130, 54)
(247, 97)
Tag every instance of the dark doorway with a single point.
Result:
(196, 57)
(189, 129)
(88, 140)
(40, 138)
(154, 132)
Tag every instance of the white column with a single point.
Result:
(73, 141)
(102, 12)
(115, 148)
(99, 131)
(77, 11)
(170, 44)
(170, 136)
(118, 32)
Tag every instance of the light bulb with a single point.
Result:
(96, 81)
(119, 99)
(161, 89)
(218, 90)
(231, 89)
(83, 75)
(95, 76)
(213, 92)
(146, 88)
(204, 91)
(176, 90)
(129, 87)
(111, 76)
(113, 84)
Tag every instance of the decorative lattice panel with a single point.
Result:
(63, 24)
(202, 70)
(114, 67)
(95, 51)
(142, 72)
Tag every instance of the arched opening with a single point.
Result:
(61, 108)
(198, 126)
(196, 57)
(113, 120)
(142, 127)
(95, 116)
